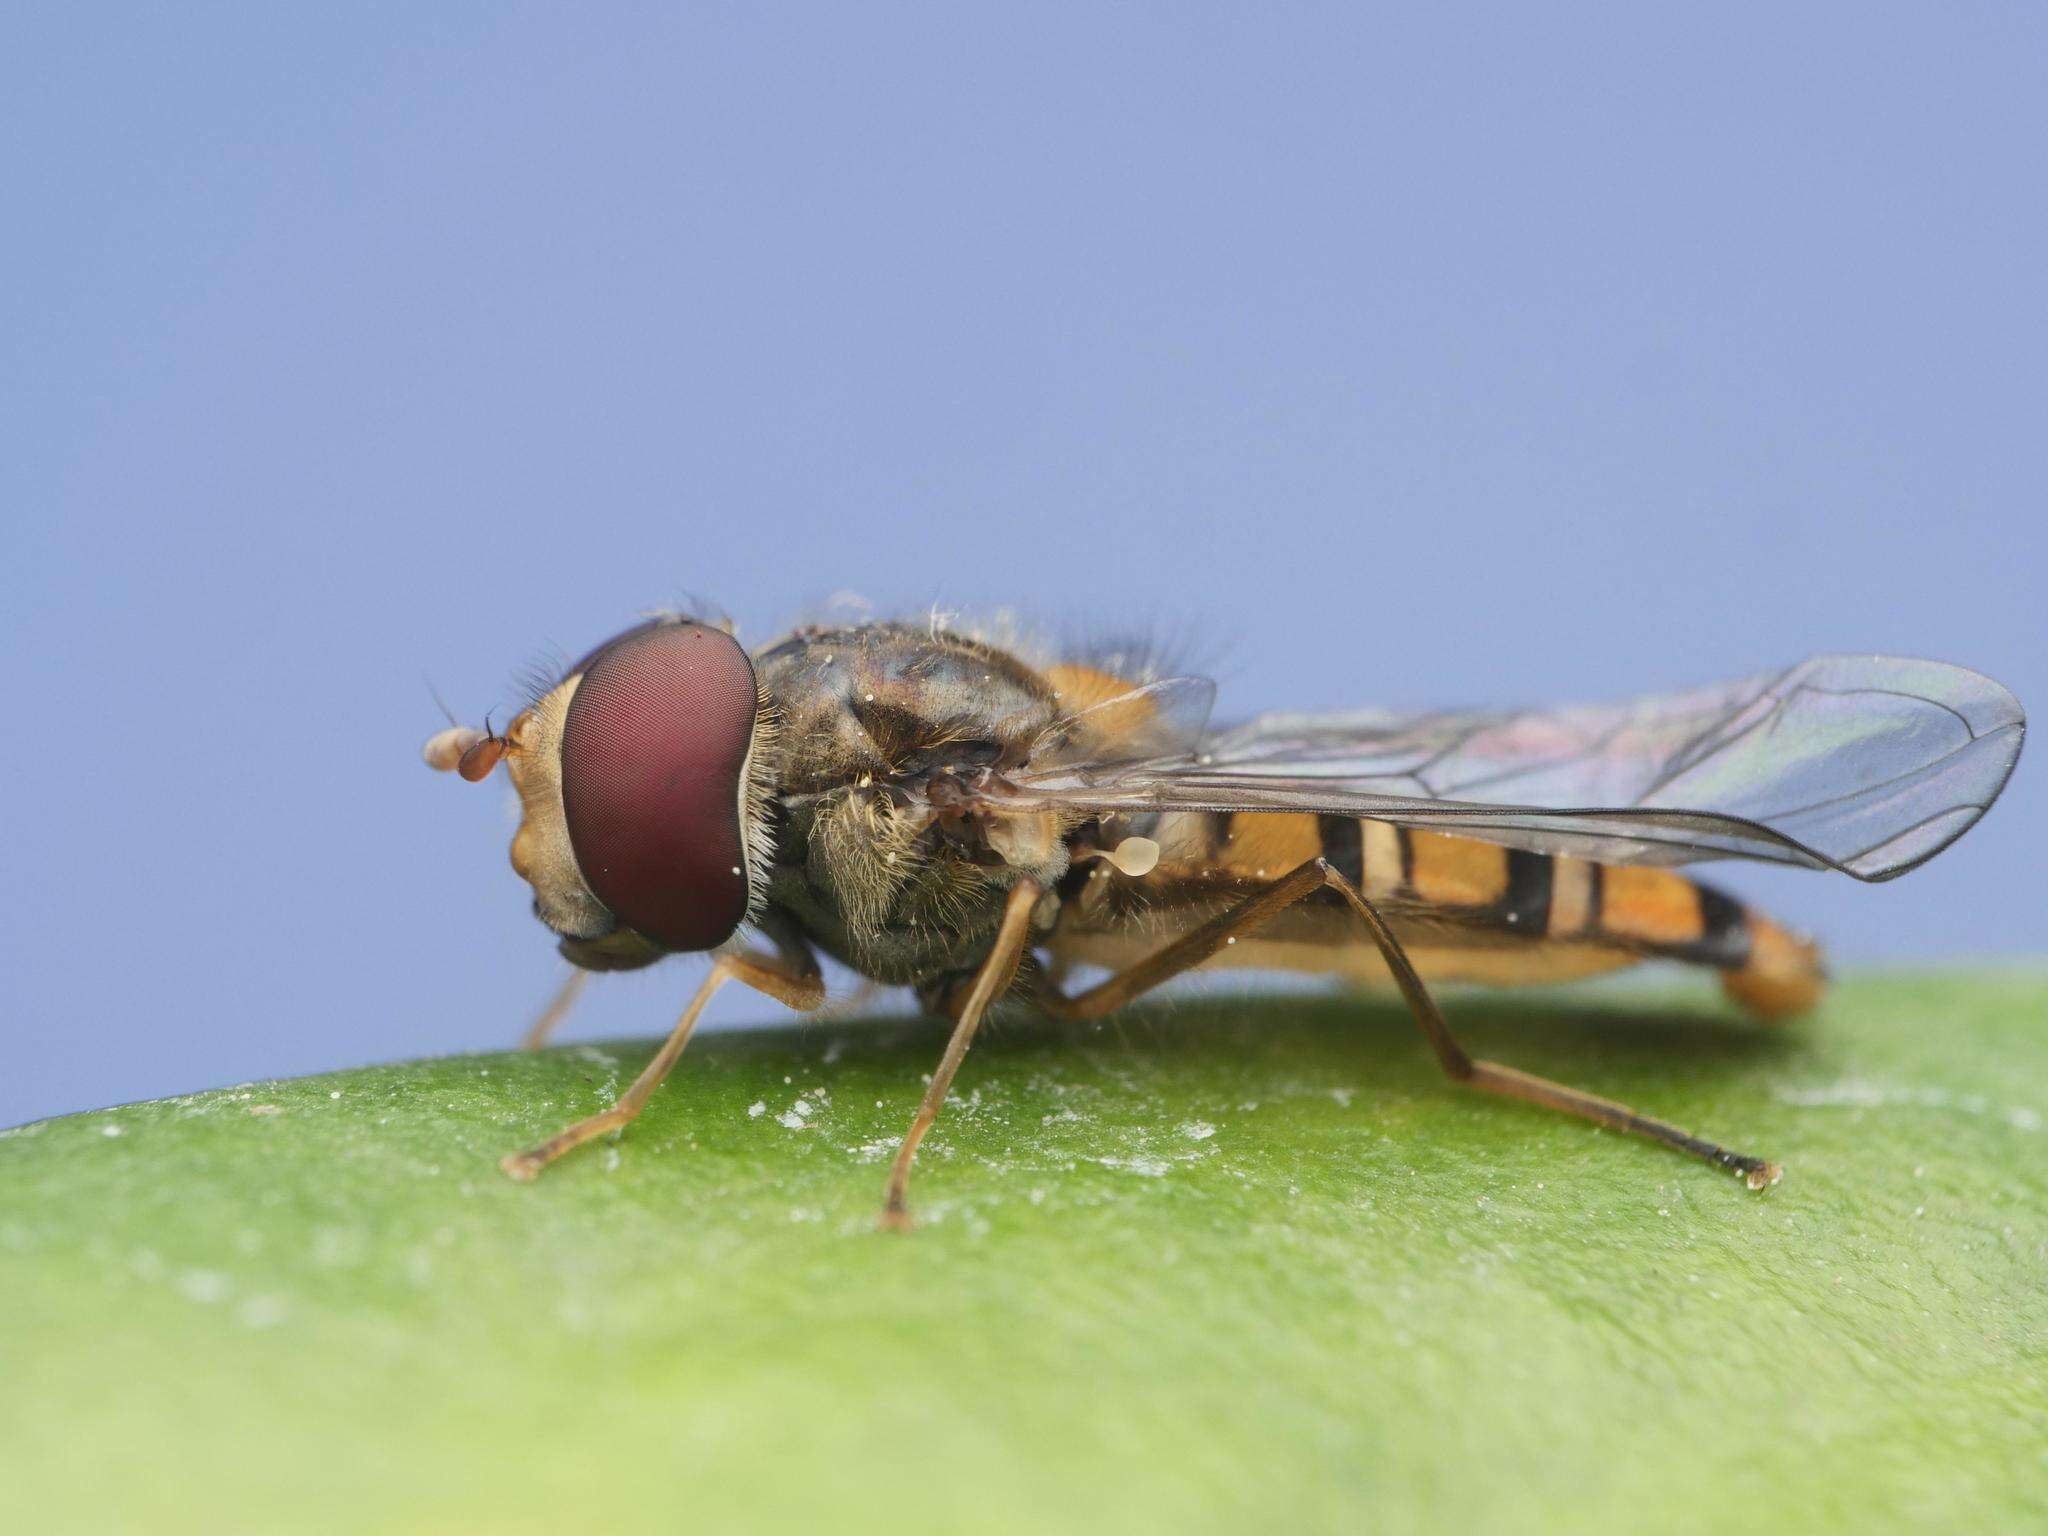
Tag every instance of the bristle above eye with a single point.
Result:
(540, 675)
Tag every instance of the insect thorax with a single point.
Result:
(876, 721)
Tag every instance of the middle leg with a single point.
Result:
(997, 971)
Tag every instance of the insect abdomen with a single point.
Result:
(1548, 899)
(1764, 968)
(1655, 912)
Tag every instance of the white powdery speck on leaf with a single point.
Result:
(1145, 1167)
(797, 1116)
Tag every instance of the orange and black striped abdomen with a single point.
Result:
(1651, 911)
(1501, 893)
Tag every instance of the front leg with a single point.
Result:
(542, 1028)
(794, 982)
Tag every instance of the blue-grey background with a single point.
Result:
(1438, 354)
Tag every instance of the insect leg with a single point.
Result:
(558, 1007)
(990, 982)
(1511, 1083)
(1200, 943)
(1191, 948)
(799, 988)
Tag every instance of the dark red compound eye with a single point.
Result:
(653, 753)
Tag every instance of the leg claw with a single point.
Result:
(1763, 1176)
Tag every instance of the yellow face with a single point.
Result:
(541, 855)
(541, 852)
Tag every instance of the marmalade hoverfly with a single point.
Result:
(972, 819)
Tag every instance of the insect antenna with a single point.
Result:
(483, 754)
(439, 702)
(460, 747)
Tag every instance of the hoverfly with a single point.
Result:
(971, 820)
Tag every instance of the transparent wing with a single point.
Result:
(1865, 764)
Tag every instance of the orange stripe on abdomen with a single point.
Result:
(1268, 844)
(1456, 871)
(1650, 906)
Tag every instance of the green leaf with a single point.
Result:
(1236, 1263)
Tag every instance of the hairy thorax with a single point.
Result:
(877, 721)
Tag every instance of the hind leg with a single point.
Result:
(1201, 943)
